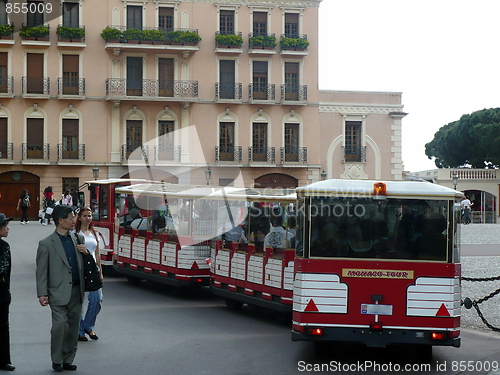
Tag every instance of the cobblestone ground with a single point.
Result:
(481, 267)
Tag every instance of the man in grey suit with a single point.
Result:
(60, 284)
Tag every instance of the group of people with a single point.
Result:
(59, 282)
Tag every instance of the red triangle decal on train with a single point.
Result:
(443, 311)
(311, 306)
(195, 266)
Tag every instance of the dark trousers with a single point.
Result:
(24, 216)
(4, 334)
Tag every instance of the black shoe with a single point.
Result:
(8, 367)
(92, 334)
(57, 367)
(82, 338)
(69, 366)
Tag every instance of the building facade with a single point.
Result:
(169, 89)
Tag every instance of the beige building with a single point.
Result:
(174, 88)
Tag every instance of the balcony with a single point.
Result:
(294, 93)
(34, 151)
(7, 35)
(228, 43)
(129, 154)
(228, 154)
(71, 88)
(68, 152)
(258, 92)
(294, 45)
(36, 36)
(261, 44)
(293, 155)
(6, 87)
(180, 40)
(167, 153)
(229, 91)
(118, 88)
(261, 155)
(6, 151)
(36, 87)
(71, 37)
(355, 154)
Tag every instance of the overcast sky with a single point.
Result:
(443, 55)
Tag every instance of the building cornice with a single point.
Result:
(264, 3)
(348, 108)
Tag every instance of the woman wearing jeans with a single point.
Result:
(85, 227)
(24, 203)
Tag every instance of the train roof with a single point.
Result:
(395, 189)
(109, 181)
(209, 192)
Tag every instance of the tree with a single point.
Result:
(473, 140)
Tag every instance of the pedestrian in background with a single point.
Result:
(466, 208)
(60, 284)
(67, 199)
(85, 227)
(5, 297)
(47, 203)
(24, 203)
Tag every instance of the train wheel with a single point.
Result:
(233, 305)
(133, 280)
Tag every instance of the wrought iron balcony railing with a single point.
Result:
(152, 35)
(228, 153)
(230, 90)
(293, 154)
(294, 92)
(354, 154)
(36, 85)
(71, 34)
(6, 151)
(36, 151)
(167, 152)
(262, 41)
(228, 39)
(67, 151)
(258, 91)
(262, 154)
(6, 85)
(129, 154)
(294, 42)
(71, 86)
(39, 33)
(151, 88)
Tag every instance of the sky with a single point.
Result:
(442, 55)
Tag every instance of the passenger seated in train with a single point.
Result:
(259, 227)
(160, 222)
(235, 234)
(432, 244)
(140, 223)
(360, 242)
(278, 237)
(324, 236)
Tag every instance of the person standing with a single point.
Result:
(67, 199)
(5, 297)
(466, 208)
(24, 203)
(48, 202)
(85, 227)
(60, 284)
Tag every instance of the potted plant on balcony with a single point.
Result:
(190, 38)
(70, 34)
(6, 31)
(175, 36)
(228, 41)
(133, 36)
(154, 36)
(111, 35)
(296, 44)
(35, 33)
(263, 41)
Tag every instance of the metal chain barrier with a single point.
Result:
(468, 303)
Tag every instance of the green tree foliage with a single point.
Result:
(473, 140)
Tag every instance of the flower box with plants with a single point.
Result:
(297, 44)
(262, 41)
(154, 36)
(183, 37)
(6, 31)
(35, 32)
(133, 35)
(228, 41)
(70, 34)
(112, 35)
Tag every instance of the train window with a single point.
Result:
(104, 192)
(379, 229)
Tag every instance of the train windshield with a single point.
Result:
(411, 229)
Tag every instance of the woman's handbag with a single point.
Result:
(91, 274)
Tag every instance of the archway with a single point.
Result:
(12, 184)
(276, 180)
(483, 206)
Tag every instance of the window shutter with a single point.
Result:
(35, 65)
(71, 63)
(34, 128)
(70, 128)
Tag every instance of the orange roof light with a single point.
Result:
(379, 190)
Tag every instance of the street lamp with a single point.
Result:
(208, 173)
(95, 172)
(323, 175)
(455, 179)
